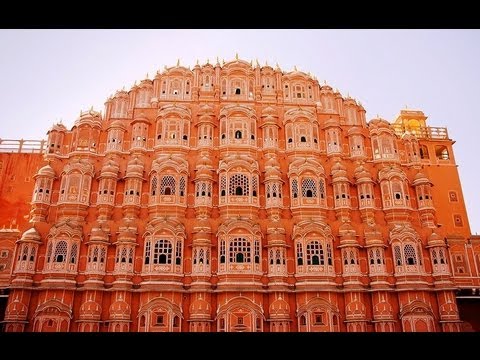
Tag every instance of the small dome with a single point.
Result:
(58, 127)
(200, 307)
(269, 111)
(47, 171)
(120, 310)
(31, 235)
(135, 167)
(420, 178)
(90, 310)
(117, 124)
(279, 309)
(16, 309)
(110, 167)
(90, 118)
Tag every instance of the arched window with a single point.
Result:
(240, 251)
(239, 185)
(167, 186)
(238, 134)
(162, 252)
(410, 255)
(315, 254)
(60, 252)
(309, 187)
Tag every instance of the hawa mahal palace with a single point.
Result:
(232, 198)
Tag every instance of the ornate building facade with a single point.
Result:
(237, 197)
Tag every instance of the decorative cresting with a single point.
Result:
(238, 126)
(63, 245)
(52, 316)
(160, 315)
(301, 130)
(172, 126)
(240, 314)
(417, 316)
(163, 250)
(240, 247)
(313, 243)
(318, 315)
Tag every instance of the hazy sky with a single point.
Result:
(50, 75)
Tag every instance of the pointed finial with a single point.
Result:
(266, 63)
(146, 75)
(325, 82)
(123, 88)
(256, 60)
(223, 61)
(236, 56)
(178, 62)
(197, 61)
(406, 106)
(295, 67)
(251, 63)
(91, 108)
(135, 82)
(165, 67)
(208, 61)
(218, 62)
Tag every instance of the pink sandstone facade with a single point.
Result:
(234, 198)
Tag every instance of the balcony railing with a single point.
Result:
(427, 132)
(22, 146)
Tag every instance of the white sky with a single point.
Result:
(50, 75)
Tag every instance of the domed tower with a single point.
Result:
(133, 188)
(205, 125)
(96, 258)
(107, 189)
(365, 192)
(341, 192)
(86, 132)
(42, 194)
(55, 145)
(426, 208)
(333, 136)
(273, 188)
(204, 181)
(27, 252)
(270, 128)
(384, 141)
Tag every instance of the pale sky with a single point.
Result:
(50, 75)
